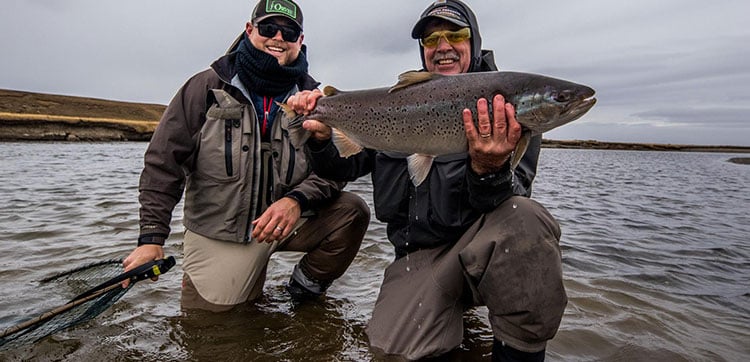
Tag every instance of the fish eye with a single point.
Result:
(563, 96)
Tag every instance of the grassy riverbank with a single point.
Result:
(27, 116)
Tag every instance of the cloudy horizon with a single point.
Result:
(665, 72)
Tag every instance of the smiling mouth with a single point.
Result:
(445, 58)
(445, 61)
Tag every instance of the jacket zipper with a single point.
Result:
(292, 159)
(228, 147)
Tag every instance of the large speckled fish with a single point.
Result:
(421, 115)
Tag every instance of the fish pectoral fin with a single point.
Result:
(412, 77)
(521, 146)
(330, 90)
(344, 144)
(419, 167)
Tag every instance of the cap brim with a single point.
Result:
(264, 17)
(418, 30)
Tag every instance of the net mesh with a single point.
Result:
(76, 311)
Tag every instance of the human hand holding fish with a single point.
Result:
(304, 102)
(318, 130)
(494, 138)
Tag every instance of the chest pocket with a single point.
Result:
(391, 185)
(289, 153)
(448, 195)
(219, 155)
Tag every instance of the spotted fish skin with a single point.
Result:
(421, 114)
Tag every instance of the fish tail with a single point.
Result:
(295, 119)
(297, 134)
(287, 109)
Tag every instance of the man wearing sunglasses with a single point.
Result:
(246, 179)
(469, 234)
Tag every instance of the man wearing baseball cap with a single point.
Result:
(248, 191)
(469, 234)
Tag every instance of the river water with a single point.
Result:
(656, 251)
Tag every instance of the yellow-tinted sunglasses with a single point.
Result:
(452, 37)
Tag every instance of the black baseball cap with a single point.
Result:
(450, 10)
(270, 8)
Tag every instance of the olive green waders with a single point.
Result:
(508, 260)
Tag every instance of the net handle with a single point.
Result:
(148, 270)
(58, 310)
(145, 271)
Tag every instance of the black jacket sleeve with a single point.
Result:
(327, 163)
(486, 192)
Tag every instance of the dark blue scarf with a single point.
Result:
(261, 73)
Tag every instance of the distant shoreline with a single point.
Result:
(599, 145)
(27, 116)
(51, 128)
(15, 127)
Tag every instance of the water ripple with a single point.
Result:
(656, 259)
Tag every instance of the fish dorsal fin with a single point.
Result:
(411, 77)
(419, 167)
(344, 144)
(520, 150)
(330, 90)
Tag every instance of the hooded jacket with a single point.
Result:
(447, 203)
(481, 60)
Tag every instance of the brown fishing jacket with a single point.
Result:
(207, 144)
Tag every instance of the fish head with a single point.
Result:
(552, 103)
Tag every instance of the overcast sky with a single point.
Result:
(667, 71)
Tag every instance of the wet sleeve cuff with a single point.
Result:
(488, 191)
(152, 239)
(498, 178)
(304, 203)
